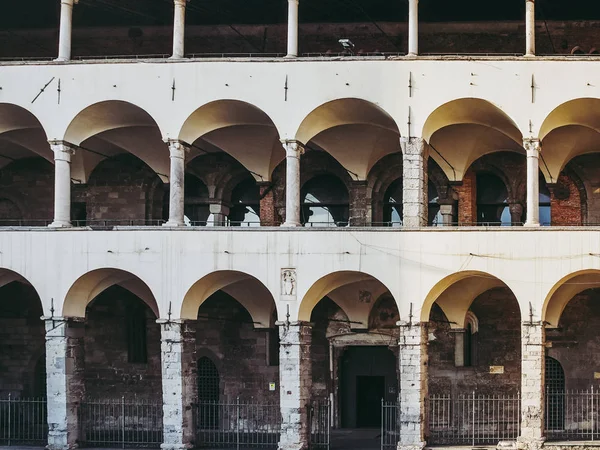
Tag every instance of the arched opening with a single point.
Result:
(554, 379)
(474, 356)
(354, 349)
(325, 202)
(245, 204)
(545, 203)
(434, 217)
(392, 204)
(196, 202)
(209, 391)
(492, 201)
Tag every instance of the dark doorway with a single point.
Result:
(369, 393)
(555, 392)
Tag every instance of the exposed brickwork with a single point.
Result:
(21, 341)
(467, 198)
(565, 211)
(268, 212)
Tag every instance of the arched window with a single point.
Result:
(325, 202)
(434, 217)
(392, 205)
(208, 394)
(545, 205)
(492, 201)
(245, 204)
(555, 390)
(197, 208)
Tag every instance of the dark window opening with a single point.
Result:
(137, 349)
(245, 204)
(273, 347)
(545, 205)
(325, 202)
(392, 205)
(555, 391)
(79, 214)
(492, 201)
(208, 394)
(196, 204)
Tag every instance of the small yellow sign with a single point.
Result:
(596, 375)
(496, 370)
(271, 387)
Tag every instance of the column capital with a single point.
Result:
(532, 145)
(181, 2)
(293, 147)
(63, 150)
(69, 2)
(178, 148)
(412, 145)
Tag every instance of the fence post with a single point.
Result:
(9, 418)
(592, 412)
(122, 421)
(382, 422)
(237, 423)
(473, 417)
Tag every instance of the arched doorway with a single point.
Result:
(555, 390)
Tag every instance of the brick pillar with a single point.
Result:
(64, 380)
(533, 355)
(413, 385)
(295, 379)
(359, 211)
(516, 213)
(415, 154)
(268, 215)
(179, 383)
(467, 199)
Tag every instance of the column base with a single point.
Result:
(532, 224)
(296, 446)
(177, 57)
(290, 56)
(418, 446)
(59, 441)
(176, 446)
(170, 224)
(530, 444)
(291, 224)
(60, 224)
(62, 59)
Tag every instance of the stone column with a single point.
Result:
(447, 212)
(413, 385)
(530, 27)
(293, 151)
(295, 379)
(532, 147)
(178, 151)
(66, 29)
(220, 212)
(413, 27)
(63, 151)
(179, 383)
(359, 204)
(292, 43)
(533, 355)
(64, 380)
(415, 154)
(179, 29)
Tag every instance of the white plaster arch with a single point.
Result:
(563, 292)
(455, 293)
(331, 282)
(91, 284)
(23, 132)
(248, 290)
(239, 128)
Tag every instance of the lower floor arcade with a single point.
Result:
(471, 370)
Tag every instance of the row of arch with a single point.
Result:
(459, 132)
(453, 294)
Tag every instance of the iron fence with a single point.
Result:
(23, 421)
(390, 425)
(319, 421)
(121, 423)
(237, 425)
(573, 415)
(474, 419)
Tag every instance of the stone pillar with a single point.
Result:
(64, 380)
(413, 385)
(220, 213)
(293, 151)
(178, 151)
(268, 214)
(413, 27)
(533, 355)
(179, 29)
(63, 151)
(66, 29)
(532, 147)
(359, 210)
(459, 347)
(179, 383)
(292, 43)
(415, 154)
(530, 27)
(447, 212)
(295, 379)
(516, 213)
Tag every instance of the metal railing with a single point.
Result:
(390, 425)
(237, 425)
(23, 421)
(573, 415)
(121, 422)
(474, 419)
(319, 422)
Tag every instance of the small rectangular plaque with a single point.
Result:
(596, 375)
(497, 370)
(271, 387)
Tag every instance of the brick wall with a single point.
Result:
(565, 202)
(496, 344)
(21, 340)
(467, 198)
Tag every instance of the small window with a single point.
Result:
(137, 351)
(273, 347)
